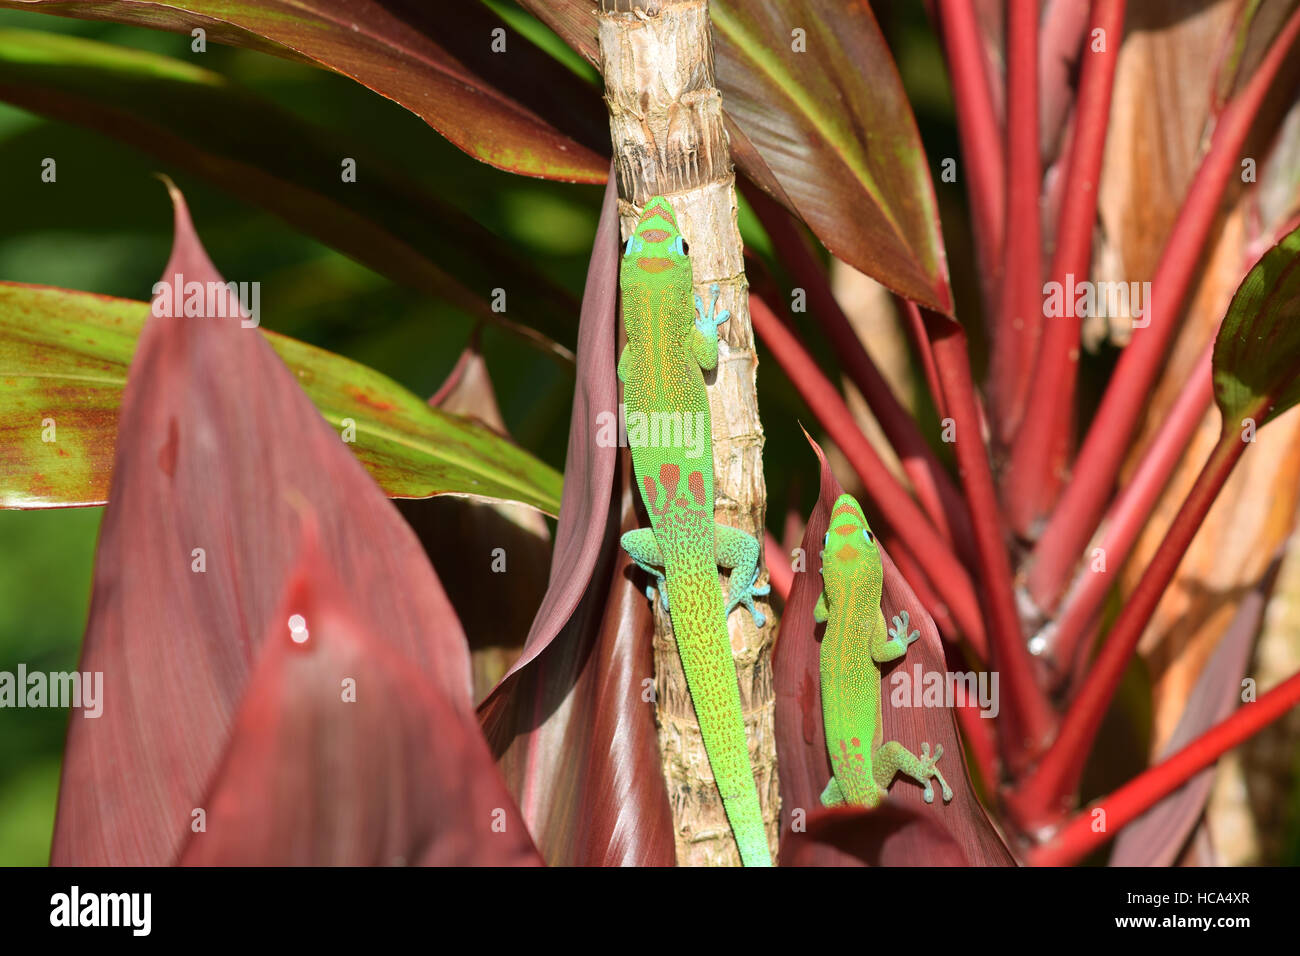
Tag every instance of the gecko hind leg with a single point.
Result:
(832, 796)
(641, 546)
(738, 553)
(892, 757)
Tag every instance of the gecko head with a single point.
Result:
(656, 245)
(849, 537)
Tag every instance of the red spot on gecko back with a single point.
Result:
(696, 484)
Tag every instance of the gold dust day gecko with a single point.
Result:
(855, 644)
(671, 341)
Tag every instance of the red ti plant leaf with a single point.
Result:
(218, 451)
(402, 51)
(344, 754)
(961, 832)
(569, 722)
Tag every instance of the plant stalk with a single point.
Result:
(670, 139)
(1076, 515)
(933, 488)
(1080, 836)
(1020, 312)
(1028, 720)
(1045, 794)
(1129, 514)
(1041, 447)
(911, 525)
(979, 131)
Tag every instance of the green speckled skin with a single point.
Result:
(669, 346)
(855, 644)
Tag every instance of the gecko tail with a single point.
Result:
(705, 648)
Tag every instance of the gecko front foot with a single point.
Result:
(899, 631)
(708, 322)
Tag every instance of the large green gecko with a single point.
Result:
(671, 341)
(855, 644)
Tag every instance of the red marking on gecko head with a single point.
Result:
(658, 206)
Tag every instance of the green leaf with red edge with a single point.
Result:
(199, 121)
(955, 832)
(828, 132)
(522, 113)
(419, 788)
(1257, 350)
(64, 356)
(569, 724)
(220, 450)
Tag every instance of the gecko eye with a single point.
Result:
(627, 250)
(826, 542)
(682, 246)
(866, 533)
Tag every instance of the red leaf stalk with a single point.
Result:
(1038, 457)
(921, 342)
(930, 482)
(1046, 792)
(1130, 512)
(913, 528)
(1020, 315)
(1076, 516)
(1028, 719)
(978, 128)
(1077, 839)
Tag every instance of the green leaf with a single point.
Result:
(437, 60)
(63, 362)
(201, 122)
(1257, 351)
(828, 131)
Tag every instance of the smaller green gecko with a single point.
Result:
(854, 646)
